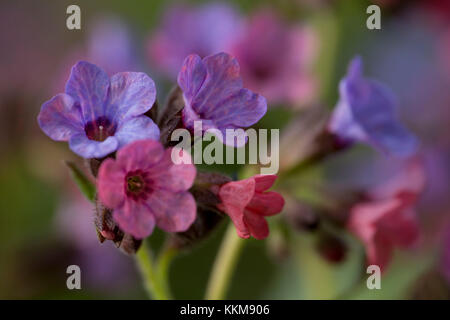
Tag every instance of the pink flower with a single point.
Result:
(276, 59)
(388, 220)
(144, 187)
(247, 203)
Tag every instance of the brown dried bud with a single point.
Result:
(170, 118)
(107, 229)
(331, 248)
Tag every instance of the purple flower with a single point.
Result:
(204, 30)
(110, 45)
(214, 94)
(366, 112)
(275, 59)
(99, 115)
(144, 187)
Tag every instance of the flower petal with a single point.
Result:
(235, 196)
(174, 212)
(379, 251)
(110, 184)
(243, 108)
(367, 113)
(378, 119)
(344, 125)
(400, 227)
(140, 155)
(219, 97)
(266, 204)
(138, 128)
(170, 176)
(60, 118)
(257, 225)
(86, 148)
(191, 76)
(131, 94)
(135, 218)
(364, 217)
(88, 85)
(263, 182)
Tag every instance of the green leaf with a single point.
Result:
(84, 184)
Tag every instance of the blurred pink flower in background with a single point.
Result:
(202, 30)
(276, 59)
(388, 219)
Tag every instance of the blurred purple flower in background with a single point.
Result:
(203, 30)
(275, 59)
(145, 187)
(98, 115)
(213, 93)
(366, 112)
(109, 45)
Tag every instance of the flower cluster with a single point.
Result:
(116, 123)
(139, 183)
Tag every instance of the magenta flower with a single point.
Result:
(275, 59)
(248, 202)
(204, 30)
(144, 187)
(214, 94)
(99, 115)
(366, 112)
(388, 220)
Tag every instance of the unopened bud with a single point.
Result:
(331, 248)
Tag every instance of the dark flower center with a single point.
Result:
(137, 185)
(262, 71)
(100, 129)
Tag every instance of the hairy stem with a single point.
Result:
(154, 276)
(224, 265)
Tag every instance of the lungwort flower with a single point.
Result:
(213, 93)
(99, 115)
(145, 188)
(366, 112)
(248, 202)
(388, 219)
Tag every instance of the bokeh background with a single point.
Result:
(46, 224)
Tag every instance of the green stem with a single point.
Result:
(155, 278)
(224, 265)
